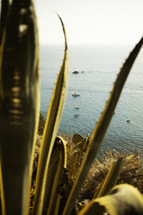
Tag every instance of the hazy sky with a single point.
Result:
(90, 21)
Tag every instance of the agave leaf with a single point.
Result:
(123, 199)
(3, 17)
(57, 206)
(112, 175)
(81, 146)
(51, 127)
(77, 138)
(101, 127)
(19, 104)
(58, 165)
(98, 189)
(2, 202)
(92, 207)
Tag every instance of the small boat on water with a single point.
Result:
(75, 94)
(76, 115)
(76, 107)
(128, 120)
(75, 72)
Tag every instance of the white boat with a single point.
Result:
(76, 115)
(75, 94)
(128, 120)
(76, 107)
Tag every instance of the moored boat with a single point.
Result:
(76, 115)
(75, 94)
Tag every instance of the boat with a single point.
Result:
(76, 115)
(76, 107)
(128, 120)
(75, 94)
(75, 72)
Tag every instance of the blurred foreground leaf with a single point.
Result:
(122, 200)
(19, 102)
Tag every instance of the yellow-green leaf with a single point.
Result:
(3, 16)
(50, 131)
(58, 165)
(19, 103)
(77, 138)
(93, 208)
(112, 175)
(123, 199)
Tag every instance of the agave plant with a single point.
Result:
(19, 102)
(19, 114)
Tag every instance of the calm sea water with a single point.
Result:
(98, 66)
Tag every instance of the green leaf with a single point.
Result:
(123, 199)
(19, 104)
(98, 189)
(101, 127)
(93, 208)
(57, 165)
(2, 202)
(77, 138)
(3, 17)
(82, 145)
(112, 175)
(50, 130)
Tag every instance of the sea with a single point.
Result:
(97, 66)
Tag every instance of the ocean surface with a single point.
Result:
(98, 66)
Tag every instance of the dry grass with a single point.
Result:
(132, 173)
